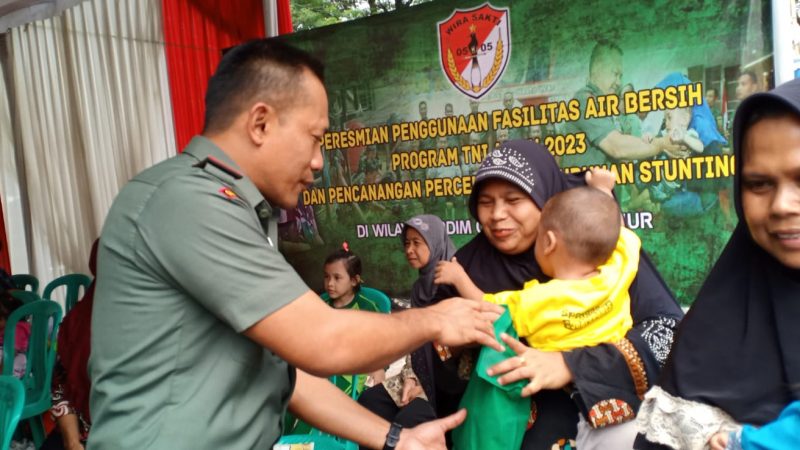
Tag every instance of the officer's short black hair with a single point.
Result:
(602, 48)
(749, 74)
(260, 70)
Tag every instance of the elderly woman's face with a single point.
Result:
(416, 248)
(771, 187)
(508, 216)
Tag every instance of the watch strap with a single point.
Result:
(393, 436)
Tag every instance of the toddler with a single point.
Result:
(592, 260)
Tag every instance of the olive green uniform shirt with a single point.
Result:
(188, 260)
(596, 129)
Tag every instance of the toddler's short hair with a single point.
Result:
(587, 220)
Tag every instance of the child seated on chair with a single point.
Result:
(343, 289)
(342, 283)
(22, 333)
(592, 260)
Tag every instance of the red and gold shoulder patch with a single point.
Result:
(228, 193)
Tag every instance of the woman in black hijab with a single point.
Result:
(736, 357)
(605, 383)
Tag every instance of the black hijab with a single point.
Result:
(441, 248)
(738, 348)
(532, 168)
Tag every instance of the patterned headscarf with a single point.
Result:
(527, 165)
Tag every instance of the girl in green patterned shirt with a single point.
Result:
(342, 291)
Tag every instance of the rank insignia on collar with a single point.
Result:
(228, 193)
(219, 165)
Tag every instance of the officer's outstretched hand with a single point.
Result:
(430, 435)
(463, 322)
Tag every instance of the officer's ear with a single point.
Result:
(261, 119)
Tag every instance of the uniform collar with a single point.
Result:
(595, 90)
(200, 148)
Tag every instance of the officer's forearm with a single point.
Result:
(623, 146)
(323, 341)
(321, 404)
(360, 342)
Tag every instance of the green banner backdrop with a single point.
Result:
(419, 97)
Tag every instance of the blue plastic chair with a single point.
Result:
(12, 396)
(44, 317)
(379, 297)
(320, 442)
(73, 283)
(23, 281)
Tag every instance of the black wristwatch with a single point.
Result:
(393, 436)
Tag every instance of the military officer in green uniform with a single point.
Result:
(712, 100)
(605, 142)
(509, 102)
(199, 322)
